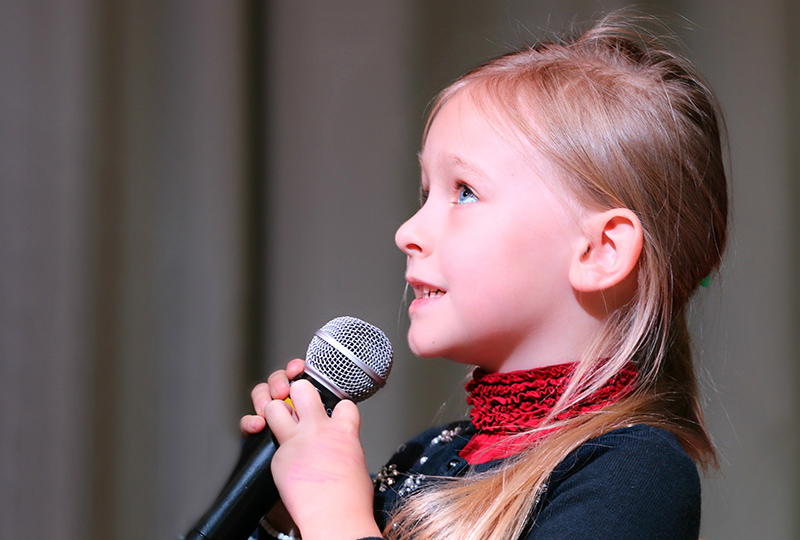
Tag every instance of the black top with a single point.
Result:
(632, 483)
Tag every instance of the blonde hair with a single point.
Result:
(629, 124)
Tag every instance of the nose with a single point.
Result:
(409, 236)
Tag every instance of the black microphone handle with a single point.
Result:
(250, 491)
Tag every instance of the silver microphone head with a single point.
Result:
(351, 357)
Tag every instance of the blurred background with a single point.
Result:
(189, 189)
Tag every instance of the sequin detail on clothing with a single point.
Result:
(411, 484)
(386, 478)
(446, 436)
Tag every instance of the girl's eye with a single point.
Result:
(423, 196)
(465, 195)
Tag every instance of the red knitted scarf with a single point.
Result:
(507, 403)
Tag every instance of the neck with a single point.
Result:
(565, 337)
(504, 404)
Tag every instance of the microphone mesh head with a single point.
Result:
(366, 342)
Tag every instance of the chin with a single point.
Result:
(422, 352)
(424, 348)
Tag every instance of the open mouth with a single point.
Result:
(429, 292)
(424, 291)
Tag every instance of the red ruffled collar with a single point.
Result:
(507, 403)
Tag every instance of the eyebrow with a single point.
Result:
(455, 161)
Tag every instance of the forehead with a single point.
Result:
(458, 129)
(466, 130)
(461, 141)
(476, 108)
(471, 134)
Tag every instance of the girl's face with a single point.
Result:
(489, 251)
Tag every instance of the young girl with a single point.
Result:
(573, 199)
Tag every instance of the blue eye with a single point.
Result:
(465, 195)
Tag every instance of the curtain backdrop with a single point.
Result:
(189, 189)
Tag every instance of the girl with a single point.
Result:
(573, 199)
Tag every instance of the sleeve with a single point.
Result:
(632, 484)
(260, 534)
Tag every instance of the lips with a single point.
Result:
(424, 293)
(423, 290)
(428, 292)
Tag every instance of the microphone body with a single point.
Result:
(250, 490)
(347, 359)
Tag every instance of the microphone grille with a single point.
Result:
(354, 355)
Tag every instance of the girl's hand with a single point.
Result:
(276, 387)
(319, 467)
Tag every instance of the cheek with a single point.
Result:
(511, 268)
(484, 275)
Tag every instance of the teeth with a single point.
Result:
(431, 293)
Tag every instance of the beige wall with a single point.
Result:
(189, 189)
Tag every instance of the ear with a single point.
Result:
(610, 250)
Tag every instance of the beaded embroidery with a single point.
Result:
(386, 478)
(446, 436)
(411, 484)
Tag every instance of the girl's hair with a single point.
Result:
(629, 124)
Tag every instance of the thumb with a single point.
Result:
(280, 419)
(346, 414)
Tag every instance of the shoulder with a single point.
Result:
(635, 482)
(641, 450)
(426, 456)
(433, 440)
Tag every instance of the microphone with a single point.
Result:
(346, 359)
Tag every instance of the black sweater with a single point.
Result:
(630, 484)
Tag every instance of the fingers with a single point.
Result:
(307, 401)
(251, 424)
(276, 388)
(260, 394)
(281, 420)
(278, 382)
(346, 412)
(306, 407)
(295, 368)
(278, 385)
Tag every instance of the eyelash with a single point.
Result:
(460, 187)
